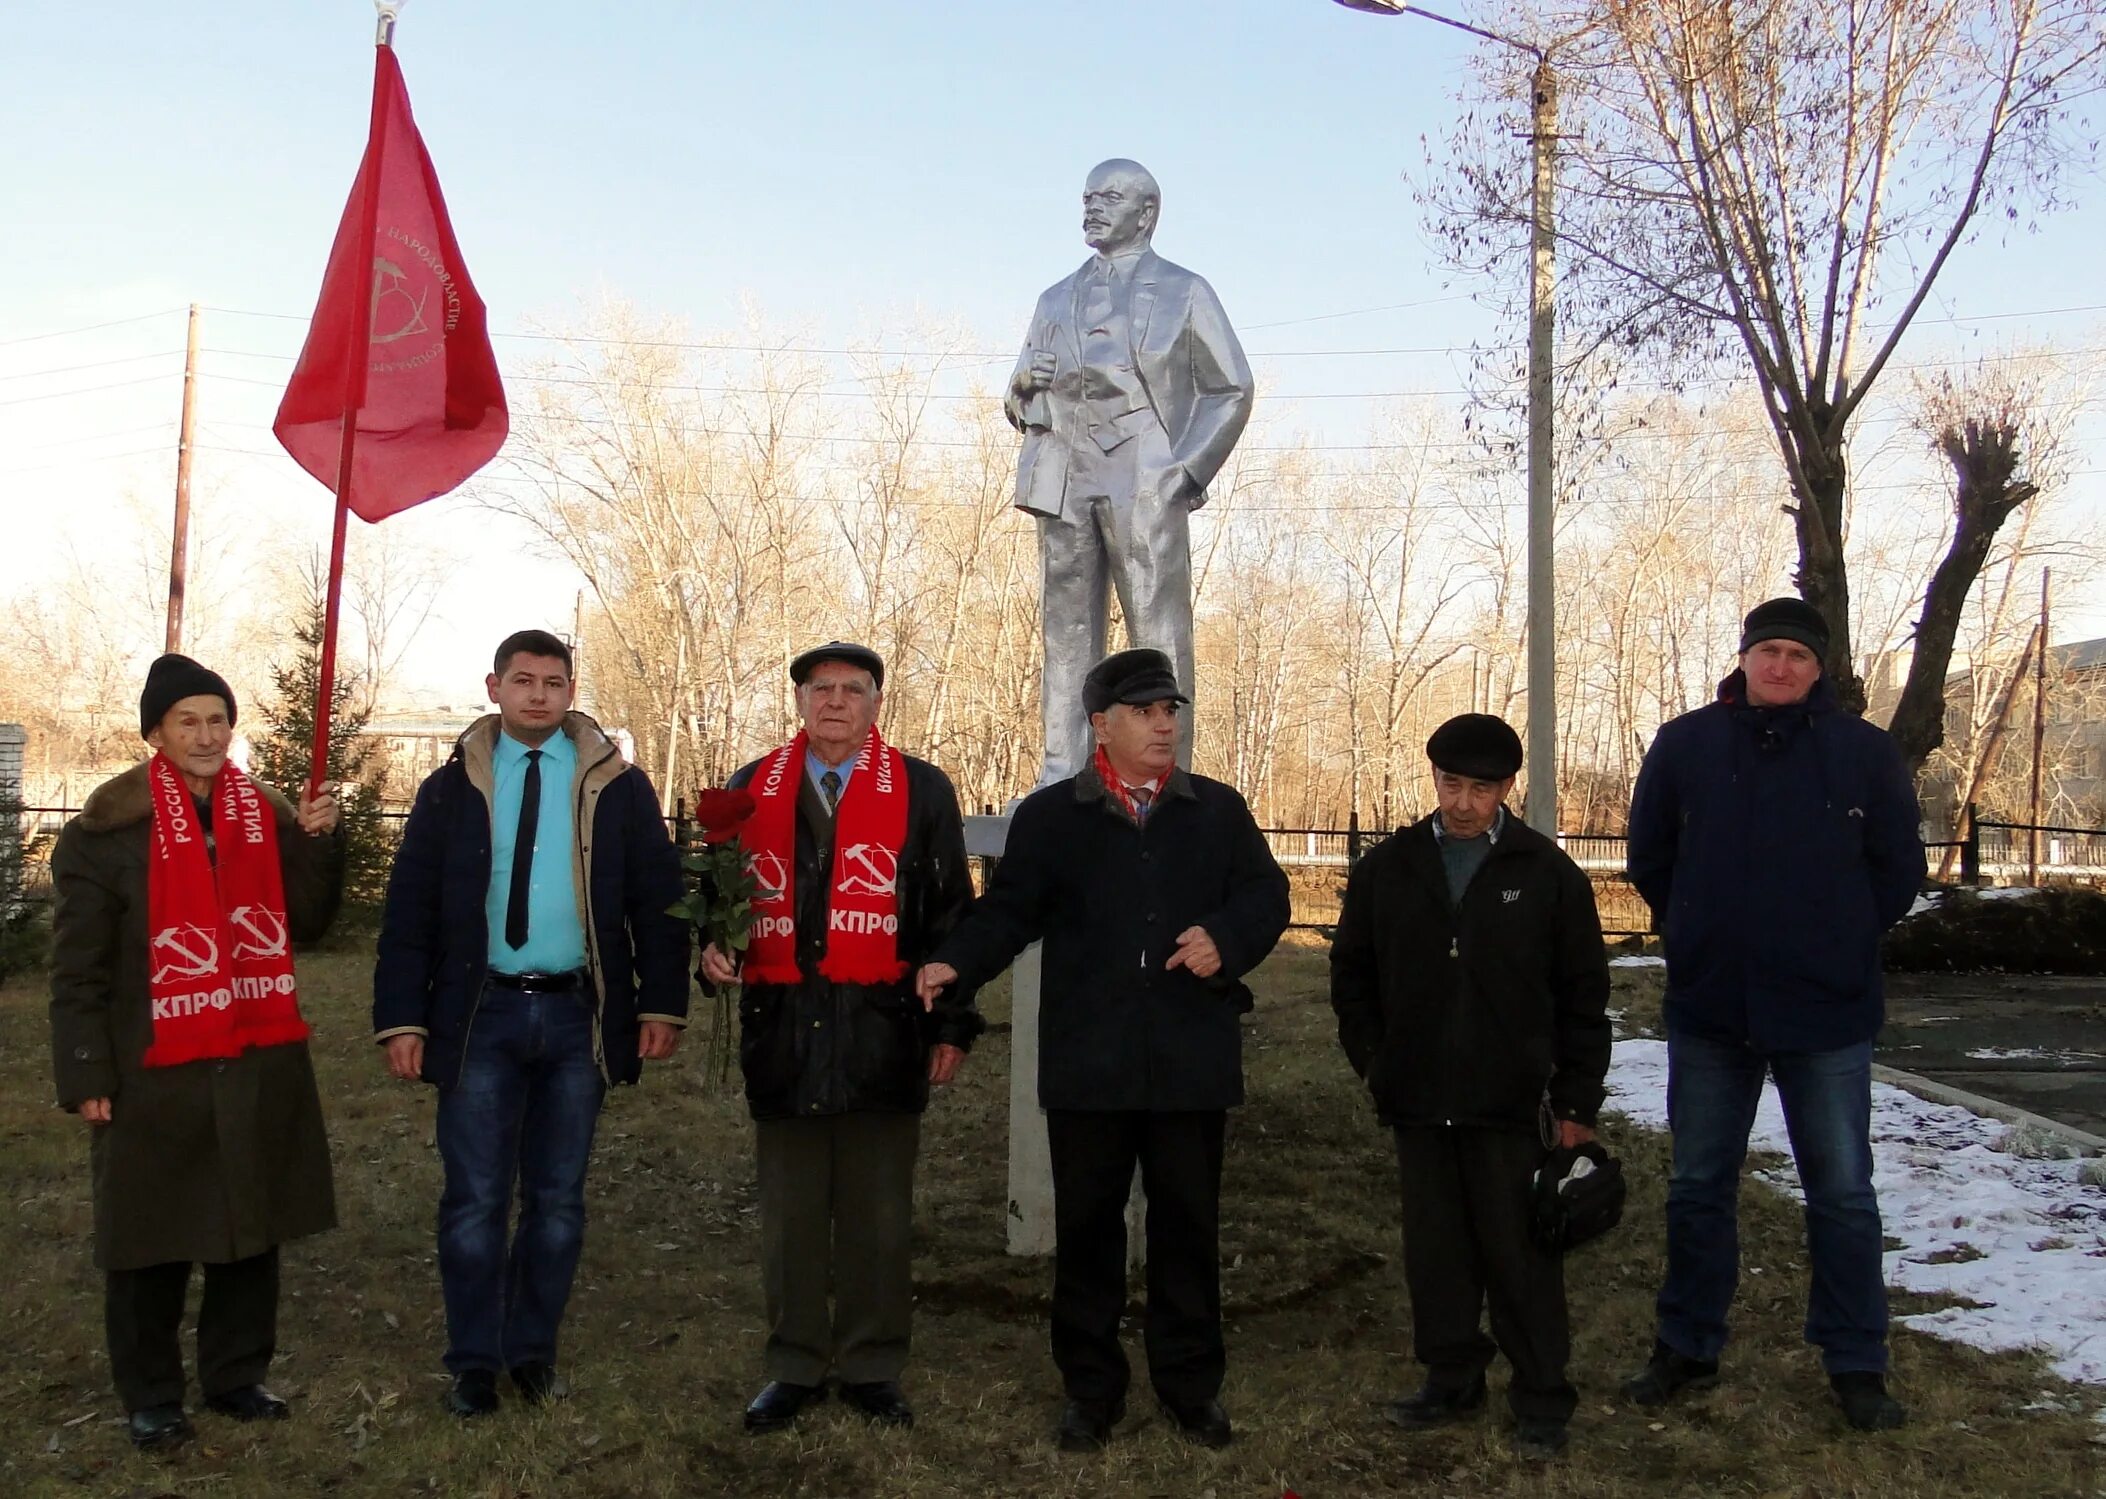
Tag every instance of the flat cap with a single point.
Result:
(171, 679)
(839, 650)
(1785, 619)
(1478, 745)
(1137, 676)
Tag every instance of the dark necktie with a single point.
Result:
(1142, 797)
(523, 852)
(830, 783)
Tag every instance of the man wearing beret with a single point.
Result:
(858, 852)
(1154, 893)
(1775, 838)
(1470, 984)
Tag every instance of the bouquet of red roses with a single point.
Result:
(719, 903)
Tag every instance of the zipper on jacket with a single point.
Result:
(578, 832)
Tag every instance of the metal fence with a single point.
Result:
(1317, 859)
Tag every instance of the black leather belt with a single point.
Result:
(541, 983)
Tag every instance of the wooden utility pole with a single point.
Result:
(2039, 728)
(179, 548)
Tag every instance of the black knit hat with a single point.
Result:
(1785, 619)
(1478, 745)
(173, 678)
(1138, 676)
(839, 650)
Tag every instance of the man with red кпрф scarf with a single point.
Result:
(176, 1035)
(858, 853)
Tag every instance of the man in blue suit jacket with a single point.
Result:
(1131, 392)
(1775, 837)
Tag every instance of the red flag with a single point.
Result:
(400, 342)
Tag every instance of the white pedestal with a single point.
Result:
(1030, 1215)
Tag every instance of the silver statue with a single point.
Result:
(1131, 392)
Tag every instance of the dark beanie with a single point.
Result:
(1478, 745)
(1785, 619)
(173, 678)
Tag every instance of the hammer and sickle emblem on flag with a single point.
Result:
(771, 877)
(397, 311)
(185, 952)
(871, 869)
(261, 932)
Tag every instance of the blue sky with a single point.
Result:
(842, 165)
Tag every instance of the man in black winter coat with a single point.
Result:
(1775, 837)
(859, 852)
(1154, 893)
(1470, 984)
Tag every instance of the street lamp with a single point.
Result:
(1542, 806)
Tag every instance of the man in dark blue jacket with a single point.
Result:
(1775, 838)
(1155, 893)
(526, 963)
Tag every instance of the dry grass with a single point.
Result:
(664, 1334)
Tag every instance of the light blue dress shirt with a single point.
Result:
(555, 934)
(815, 767)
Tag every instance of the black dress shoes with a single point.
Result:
(474, 1393)
(251, 1402)
(159, 1427)
(881, 1401)
(1435, 1406)
(537, 1383)
(779, 1403)
(1086, 1425)
(1205, 1423)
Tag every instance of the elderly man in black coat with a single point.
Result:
(1154, 893)
(1470, 984)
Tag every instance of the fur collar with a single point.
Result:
(122, 801)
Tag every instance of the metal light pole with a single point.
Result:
(1542, 805)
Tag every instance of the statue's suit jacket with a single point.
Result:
(1186, 354)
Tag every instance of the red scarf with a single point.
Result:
(870, 830)
(219, 963)
(1116, 785)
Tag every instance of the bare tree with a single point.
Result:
(1759, 182)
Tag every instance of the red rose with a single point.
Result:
(720, 814)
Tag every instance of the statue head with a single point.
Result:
(1120, 204)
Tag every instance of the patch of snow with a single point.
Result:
(2029, 1054)
(2035, 1230)
(1637, 962)
(1930, 900)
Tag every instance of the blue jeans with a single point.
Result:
(523, 1111)
(1713, 1088)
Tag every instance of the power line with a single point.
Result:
(100, 364)
(87, 390)
(30, 338)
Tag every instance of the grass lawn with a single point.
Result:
(663, 1339)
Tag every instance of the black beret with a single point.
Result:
(1477, 745)
(1137, 676)
(171, 679)
(839, 650)
(1786, 619)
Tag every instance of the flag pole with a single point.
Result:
(357, 351)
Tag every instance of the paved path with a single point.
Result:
(2037, 1042)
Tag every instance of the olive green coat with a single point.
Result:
(209, 1161)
